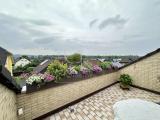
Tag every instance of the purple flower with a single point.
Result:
(97, 69)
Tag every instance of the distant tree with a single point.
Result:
(25, 56)
(35, 62)
(75, 58)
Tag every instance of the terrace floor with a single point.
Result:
(99, 106)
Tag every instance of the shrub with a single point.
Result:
(125, 79)
(88, 65)
(29, 69)
(57, 69)
(35, 62)
(97, 69)
(75, 58)
(77, 68)
(105, 65)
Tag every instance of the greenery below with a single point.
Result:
(105, 65)
(57, 69)
(74, 59)
(29, 67)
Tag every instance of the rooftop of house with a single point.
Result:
(3, 55)
(42, 66)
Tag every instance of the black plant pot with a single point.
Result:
(124, 86)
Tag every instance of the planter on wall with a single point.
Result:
(66, 80)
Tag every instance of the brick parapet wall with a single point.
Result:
(145, 73)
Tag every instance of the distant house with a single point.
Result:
(125, 61)
(21, 63)
(6, 59)
(62, 59)
(117, 60)
(117, 64)
(42, 67)
(101, 59)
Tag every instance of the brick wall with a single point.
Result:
(145, 73)
(8, 107)
(41, 102)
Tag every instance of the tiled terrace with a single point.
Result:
(99, 106)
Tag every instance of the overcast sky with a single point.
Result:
(94, 27)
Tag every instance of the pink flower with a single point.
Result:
(48, 77)
(24, 75)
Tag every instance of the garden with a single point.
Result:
(73, 70)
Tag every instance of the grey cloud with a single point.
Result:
(143, 45)
(115, 21)
(15, 33)
(93, 22)
(133, 36)
(46, 40)
(157, 3)
(40, 22)
(71, 45)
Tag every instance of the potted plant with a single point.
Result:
(125, 81)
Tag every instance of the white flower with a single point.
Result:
(72, 71)
(34, 78)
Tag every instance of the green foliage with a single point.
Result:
(88, 65)
(35, 62)
(29, 67)
(125, 79)
(77, 68)
(105, 65)
(20, 69)
(57, 69)
(75, 58)
(18, 80)
(25, 56)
